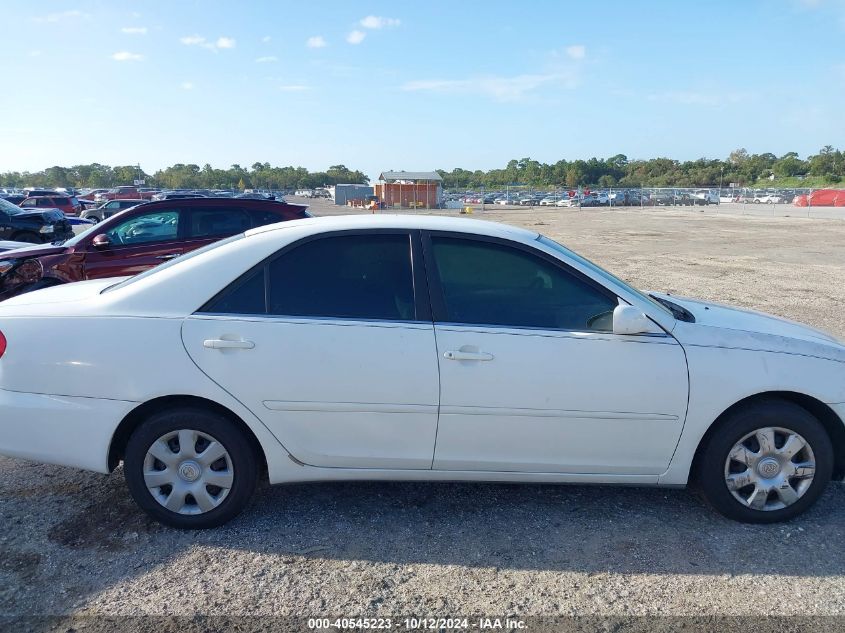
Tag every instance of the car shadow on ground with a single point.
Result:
(74, 534)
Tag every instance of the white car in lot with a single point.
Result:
(767, 198)
(413, 348)
(709, 197)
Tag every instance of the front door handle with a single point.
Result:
(168, 256)
(219, 343)
(462, 355)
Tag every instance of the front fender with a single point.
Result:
(719, 378)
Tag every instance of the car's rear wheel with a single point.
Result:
(766, 462)
(190, 468)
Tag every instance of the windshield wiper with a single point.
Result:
(680, 313)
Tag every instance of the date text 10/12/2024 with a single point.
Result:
(417, 624)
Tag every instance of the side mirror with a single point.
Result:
(101, 241)
(629, 320)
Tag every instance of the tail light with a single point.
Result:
(2, 344)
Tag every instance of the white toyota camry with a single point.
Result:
(427, 348)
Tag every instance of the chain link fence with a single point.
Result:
(825, 203)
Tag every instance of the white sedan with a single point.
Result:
(413, 348)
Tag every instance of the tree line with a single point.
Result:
(741, 167)
(185, 176)
(825, 168)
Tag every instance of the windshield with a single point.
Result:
(601, 272)
(173, 262)
(9, 208)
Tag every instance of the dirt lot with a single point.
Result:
(74, 542)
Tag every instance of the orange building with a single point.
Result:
(410, 189)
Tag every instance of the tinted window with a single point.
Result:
(245, 296)
(354, 276)
(218, 222)
(492, 284)
(157, 226)
(261, 217)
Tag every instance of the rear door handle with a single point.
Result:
(168, 256)
(459, 355)
(219, 343)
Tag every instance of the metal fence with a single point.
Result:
(806, 202)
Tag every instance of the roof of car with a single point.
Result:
(223, 202)
(389, 221)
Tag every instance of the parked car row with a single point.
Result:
(588, 198)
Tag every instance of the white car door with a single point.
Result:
(327, 344)
(532, 377)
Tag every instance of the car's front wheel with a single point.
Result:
(766, 462)
(190, 468)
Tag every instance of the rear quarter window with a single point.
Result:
(262, 217)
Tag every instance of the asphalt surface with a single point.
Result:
(72, 542)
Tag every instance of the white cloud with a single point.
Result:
(126, 56)
(187, 85)
(294, 88)
(199, 40)
(269, 59)
(134, 30)
(356, 37)
(266, 39)
(514, 88)
(63, 15)
(192, 40)
(576, 51)
(379, 22)
(316, 41)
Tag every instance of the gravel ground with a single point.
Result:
(73, 542)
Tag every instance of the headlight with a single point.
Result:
(6, 265)
(47, 228)
(30, 270)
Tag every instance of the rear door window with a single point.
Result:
(349, 276)
(218, 222)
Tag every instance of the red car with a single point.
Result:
(134, 240)
(68, 204)
(123, 193)
(822, 198)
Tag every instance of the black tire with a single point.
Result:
(765, 413)
(241, 452)
(27, 236)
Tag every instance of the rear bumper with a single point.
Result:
(63, 430)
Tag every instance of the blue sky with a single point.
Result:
(415, 85)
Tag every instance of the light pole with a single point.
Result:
(721, 173)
